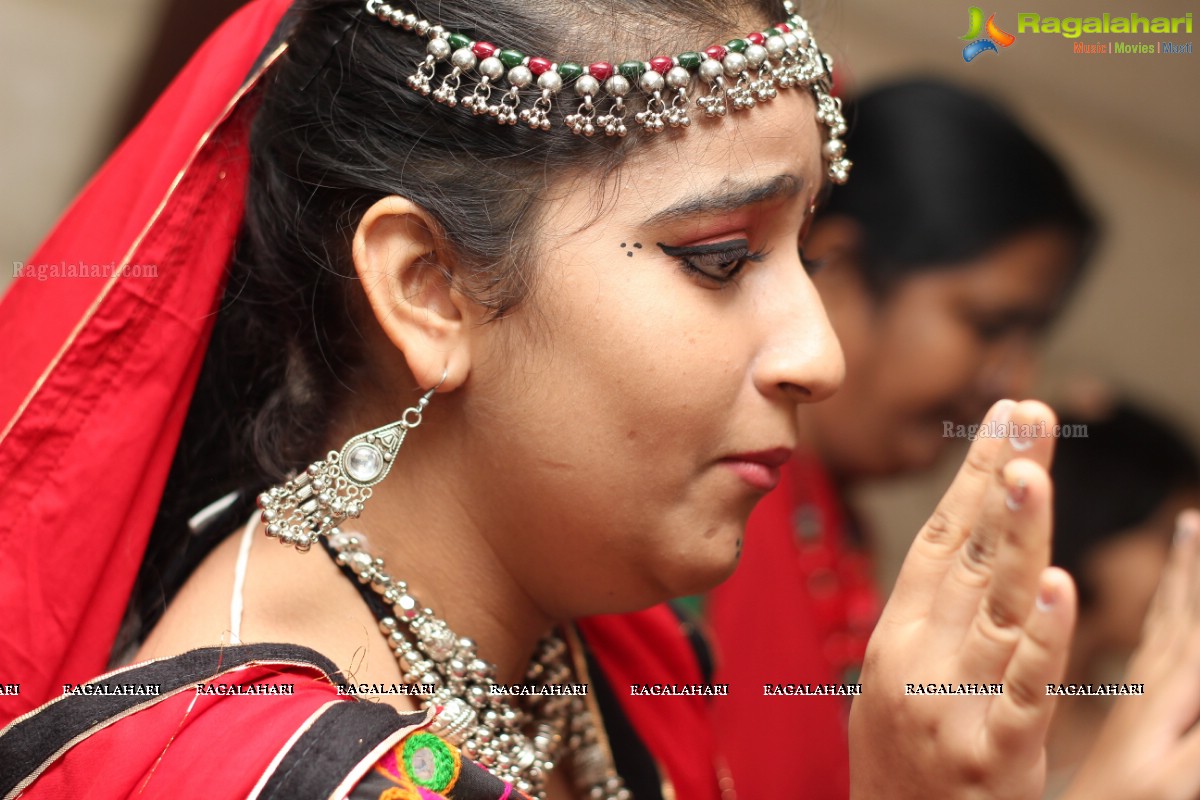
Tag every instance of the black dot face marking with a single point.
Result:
(636, 245)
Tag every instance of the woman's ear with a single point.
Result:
(406, 273)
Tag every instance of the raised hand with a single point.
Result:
(975, 604)
(1149, 748)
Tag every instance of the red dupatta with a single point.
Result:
(99, 375)
(100, 370)
(799, 609)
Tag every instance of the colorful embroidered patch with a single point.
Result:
(389, 766)
(429, 762)
(426, 767)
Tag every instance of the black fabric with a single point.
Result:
(631, 757)
(694, 632)
(475, 782)
(379, 607)
(30, 742)
(335, 743)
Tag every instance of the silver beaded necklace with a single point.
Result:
(518, 738)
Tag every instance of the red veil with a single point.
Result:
(100, 370)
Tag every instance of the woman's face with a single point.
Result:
(638, 404)
(1122, 574)
(938, 349)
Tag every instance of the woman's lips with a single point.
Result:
(759, 469)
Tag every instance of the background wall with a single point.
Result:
(68, 70)
(1126, 125)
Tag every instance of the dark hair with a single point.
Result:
(941, 176)
(1115, 479)
(337, 130)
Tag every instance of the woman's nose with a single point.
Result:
(801, 360)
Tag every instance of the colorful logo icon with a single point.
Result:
(994, 37)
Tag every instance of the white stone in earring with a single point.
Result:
(364, 463)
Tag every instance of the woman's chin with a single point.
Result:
(697, 576)
(678, 579)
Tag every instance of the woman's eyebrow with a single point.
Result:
(732, 195)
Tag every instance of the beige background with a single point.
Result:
(68, 69)
(1126, 125)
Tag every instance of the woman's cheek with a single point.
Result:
(932, 361)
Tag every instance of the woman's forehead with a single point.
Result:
(740, 161)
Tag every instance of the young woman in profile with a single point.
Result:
(493, 378)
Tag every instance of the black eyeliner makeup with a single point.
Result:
(726, 246)
(717, 262)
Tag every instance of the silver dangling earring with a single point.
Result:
(315, 502)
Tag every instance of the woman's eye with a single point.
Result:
(990, 331)
(812, 265)
(719, 262)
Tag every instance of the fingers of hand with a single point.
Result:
(949, 565)
(940, 539)
(1168, 657)
(955, 515)
(990, 587)
(993, 585)
(1179, 771)
(1031, 432)
(1187, 530)
(1178, 584)
(1018, 719)
(999, 512)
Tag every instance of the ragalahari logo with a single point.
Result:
(978, 44)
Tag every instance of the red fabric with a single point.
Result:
(799, 609)
(207, 736)
(650, 647)
(85, 452)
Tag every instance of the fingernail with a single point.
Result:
(1045, 599)
(1004, 410)
(1019, 443)
(1183, 529)
(1016, 495)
